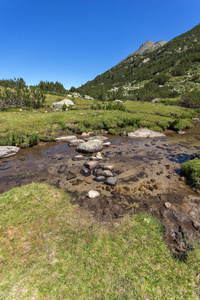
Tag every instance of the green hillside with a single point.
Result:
(167, 72)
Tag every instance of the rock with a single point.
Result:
(155, 100)
(118, 101)
(62, 169)
(93, 194)
(85, 134)
(167, 204)
(111, 181)
(58, 105)
(181, 132)
(100, 178)
(107, 144)
(99, 156)
(66, 138)
(145, 133)
(90, 146)
(91, 164)
(85, 172)
(76, 94)
(109, 167)
(88, 97)
(75, 142)
(98, 137)
(71, 176)
(195, 120)
(107, 173)
(6, 151)
(78, 157)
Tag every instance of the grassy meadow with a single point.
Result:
(50, 249)
(19, 125)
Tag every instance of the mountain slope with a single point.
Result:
(170, 59)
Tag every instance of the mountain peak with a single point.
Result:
(149, 46)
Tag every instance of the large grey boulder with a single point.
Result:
(58, 105)
(6, 151)
(90, 146)
(75, 142)
(145, 133)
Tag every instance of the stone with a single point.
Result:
(195, 120)
(88, 97)
(111, 181)
(106, 144)
(99, 156)
(75, 142)
(155, 100)
(85, 172)
(181, 132)
(58, 105)
(71, 176)
(109, 167)
(85, 134)
(90, 146)
(7, 151)
(118, 101)
(91, 164)
(66, 138)
(98, 137)
(145, 133)
(99, 178)
(167, 204)
(107, 173)
(78, 157)
(93, 194)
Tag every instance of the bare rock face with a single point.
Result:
(145, 133)
(90, 146)
(6, 151)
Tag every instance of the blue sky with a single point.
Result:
(74, 41)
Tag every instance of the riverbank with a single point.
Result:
(26, 128)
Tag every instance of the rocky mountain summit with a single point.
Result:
(149, 46)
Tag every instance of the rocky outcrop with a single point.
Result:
(149, 46)
(145, 133)
(87, 97)
(6, 151)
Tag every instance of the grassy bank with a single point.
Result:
(22, 126)
(191, 169)
(52, 250)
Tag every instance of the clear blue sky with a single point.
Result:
(73, 41)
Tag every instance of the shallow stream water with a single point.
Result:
(147, 171)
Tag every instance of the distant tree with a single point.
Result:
(72, 89)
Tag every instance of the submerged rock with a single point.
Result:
(6, 151)
(145, 133)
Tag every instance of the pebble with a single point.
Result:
(93, 194)
(111, 180)
(167, 204)
(91, 164)
(109, 167)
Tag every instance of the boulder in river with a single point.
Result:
(6, 151)
(98, 137)
(90, 146)
(145, 133)
(66, 138)
(75, 142)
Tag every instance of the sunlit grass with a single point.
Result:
(52, 250)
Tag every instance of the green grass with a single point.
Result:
(52, 250)
(191, 169)
(46, 123)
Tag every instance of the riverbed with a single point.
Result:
(148, 180)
